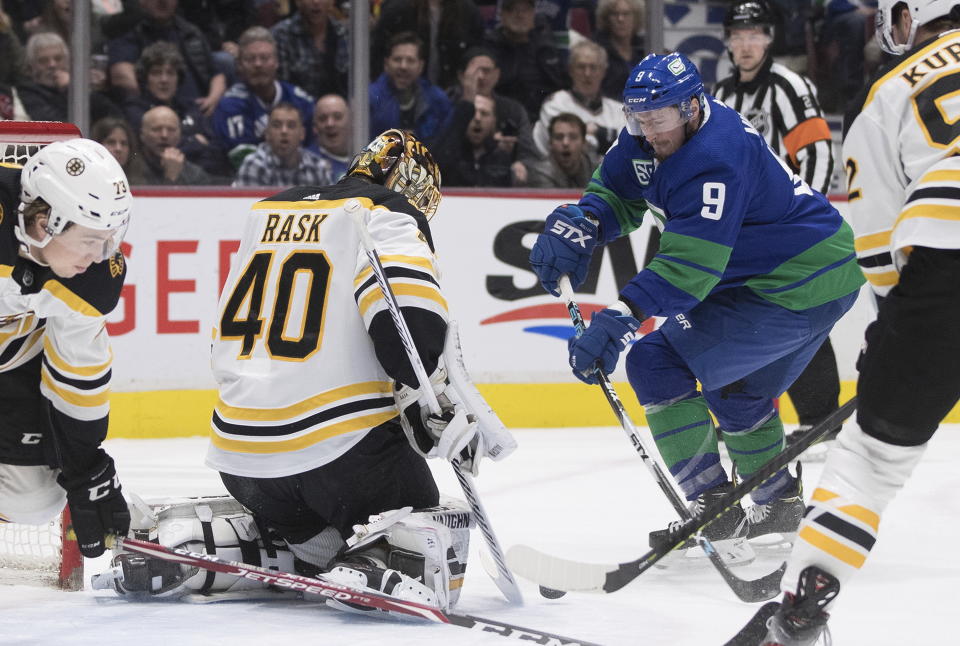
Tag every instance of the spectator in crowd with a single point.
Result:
(281, 159)
(603, 116)
(117, 136)
(13, 70)
(401, 97)
(514, 132)
(530, 64)
(842, 39)
(223, 21)
(448, 27)
(332, 127)
(164, 162)
(202, 83)
(241, 117)
(312, 48)
(569, 165)
(160, 71)
(467, 151)
(619, 32)
(45, 97)
(55, 17)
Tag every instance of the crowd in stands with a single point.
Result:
(506, 93)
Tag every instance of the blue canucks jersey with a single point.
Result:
(241, 117)
(730, 213)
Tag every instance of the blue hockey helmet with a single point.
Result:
(658, 82)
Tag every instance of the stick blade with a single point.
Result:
(557, 573)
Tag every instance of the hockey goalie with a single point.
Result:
(319, 432)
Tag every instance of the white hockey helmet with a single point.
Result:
(83, 184)
(921, 11)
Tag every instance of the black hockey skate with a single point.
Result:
(777, 521)
(728, 533)
(801, 619)
(817, 452)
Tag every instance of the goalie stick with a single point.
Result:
(321, 587)
(761, 589)
(563, 574)
(502, 577)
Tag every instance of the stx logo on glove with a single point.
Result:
(627, 338)
(570, 232)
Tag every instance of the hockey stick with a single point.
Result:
(563, 574)
(503, 577)
(761, 589)
(323, 587)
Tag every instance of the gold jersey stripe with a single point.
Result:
(864, 515)
(6, 271)
(941, 176)
(399, 259)
(63, 366)
(76, 399)
(71, 300)
(304, 441)
(834, 548)
(420, 291)
(872, 241)
(931, 211)
(896, 71)
(884, 279)
(313, 204)
(307, 405)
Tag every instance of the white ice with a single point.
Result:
(580, 493)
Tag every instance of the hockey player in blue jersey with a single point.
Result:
(754, 269)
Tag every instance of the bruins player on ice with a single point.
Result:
(903, 176)
(317, 430)
(62, 218)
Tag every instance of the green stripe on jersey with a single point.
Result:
(629, 213)
(790, 285)
(697, 281)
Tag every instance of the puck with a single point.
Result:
(550, 593)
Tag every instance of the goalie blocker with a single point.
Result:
(415, 555)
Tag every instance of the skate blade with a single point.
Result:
(734, 552)
(775, 544)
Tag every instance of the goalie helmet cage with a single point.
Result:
(37, 554)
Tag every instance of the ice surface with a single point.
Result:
(580, 493)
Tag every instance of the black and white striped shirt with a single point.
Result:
(782, 105)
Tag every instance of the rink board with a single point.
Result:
(179, 249)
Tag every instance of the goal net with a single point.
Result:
(37, 554)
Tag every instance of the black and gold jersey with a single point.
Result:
(64, 319)
(900, 153)
(304, 349)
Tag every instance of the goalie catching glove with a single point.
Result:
(466, 429)
(451, 434)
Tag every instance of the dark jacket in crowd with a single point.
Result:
(618, 68)
(530, 71)
(431, 112)
(189, 40)
(460, 28)
(44, 103)
(458, 164)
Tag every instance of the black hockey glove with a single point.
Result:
(97, 507)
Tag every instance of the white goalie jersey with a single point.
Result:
(304, 367)
(903, 175)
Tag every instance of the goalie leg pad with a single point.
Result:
(211, 525)
(427, 545)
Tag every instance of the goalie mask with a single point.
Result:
(399, 161)
(84, 185)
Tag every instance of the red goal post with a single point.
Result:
(38, 554)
